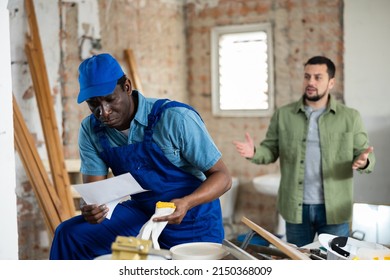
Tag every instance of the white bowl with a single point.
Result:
(198, 251)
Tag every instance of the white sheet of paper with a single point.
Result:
(110, 191)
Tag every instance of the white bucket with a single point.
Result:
(198, 251)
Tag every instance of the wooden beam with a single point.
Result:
(44, 98)
(45, 193)
(133, 71)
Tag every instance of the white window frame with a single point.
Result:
(216, 33)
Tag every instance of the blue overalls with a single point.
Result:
(77, 239)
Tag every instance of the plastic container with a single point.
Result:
(198, 251)
(343, 248)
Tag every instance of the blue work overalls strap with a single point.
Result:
(165, 181)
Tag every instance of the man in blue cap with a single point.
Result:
(164, 145)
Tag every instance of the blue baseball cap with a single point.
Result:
(98, 76)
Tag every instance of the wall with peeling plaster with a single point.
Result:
(171, 43)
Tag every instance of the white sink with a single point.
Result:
(267, 184)
(228, 200)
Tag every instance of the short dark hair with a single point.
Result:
(121, 81)
(323, 60)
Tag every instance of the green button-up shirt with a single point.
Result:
(342, 139)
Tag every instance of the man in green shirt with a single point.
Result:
(320, 142)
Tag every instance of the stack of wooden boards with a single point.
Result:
(54, 196)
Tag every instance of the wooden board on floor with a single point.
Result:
(280, 244)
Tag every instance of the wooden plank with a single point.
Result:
(47, 198)
(32, 161)
(280, 244)
(41, 85)
(133, 71)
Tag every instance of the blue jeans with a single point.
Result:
(313, 222)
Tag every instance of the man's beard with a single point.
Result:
(314, 98)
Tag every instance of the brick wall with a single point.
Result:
(154, 30)
(301, 29)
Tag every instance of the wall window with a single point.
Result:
(242, 70)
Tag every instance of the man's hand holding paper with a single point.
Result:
(107, 193)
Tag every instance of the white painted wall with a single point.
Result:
(9, 229)
(367, 76)
(88, 15)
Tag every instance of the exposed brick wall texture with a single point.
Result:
(301, 29)
(171, 44)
